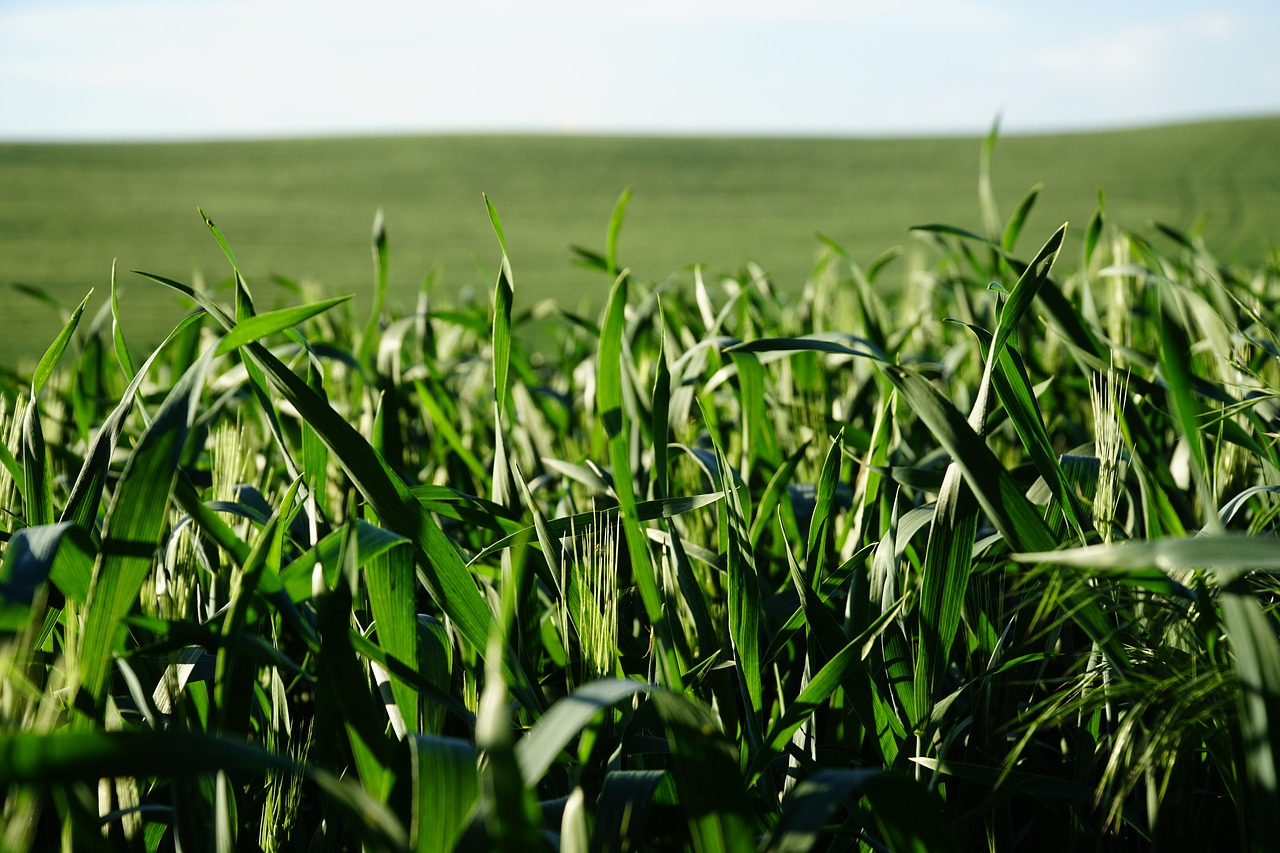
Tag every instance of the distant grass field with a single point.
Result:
(304, 207)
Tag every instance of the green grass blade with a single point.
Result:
(86, 494)
(259, 326)
(1014, 227)
(1256, 661)
(502, 300)
(52, 355)
(1009, 510)
(818, 690)
(392, 587)
(1175, 364)
(564, 720)
(135, 523)
(615, 228)
(36, 478)
(233, 689)
(821, 528)
(222, 241)
(446, 787)
(947, 565)
(440, 566)
(67, 756)
(61, 553)
(612, 414)
(1232, 552)
(777, 487)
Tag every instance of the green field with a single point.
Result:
(974, 550)
(304, 207)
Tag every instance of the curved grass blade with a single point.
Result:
(260, 326)
(68, 756)
(390, 583)
(233, 683)
(1019, 218)
(1228, 554)
(615, 228)
(135, 523)
(446, 787)
(1003, 502)
(562, 722)
(1256, 661)
(37, 491)
(440, 567)
(86, 495)
(117, 334)
(821, 527)
(52, 355)
(502, 300)
(610, 406)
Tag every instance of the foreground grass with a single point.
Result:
(717, 569)
(301, 207)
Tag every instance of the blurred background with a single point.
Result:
(744, 128)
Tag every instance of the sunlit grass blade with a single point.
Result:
(440, 566)
(390, 581)
(54, 353)
(1224, 552)
(502, 300)
(1014, 227)
(610, 376)
(947, 566)
(564, 720)
(821, 528)
(134, 524)
(117, 333)
(615, 228)
(261, 325)
(1256, 661)
(86, 495)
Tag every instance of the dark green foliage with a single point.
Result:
(724, 571)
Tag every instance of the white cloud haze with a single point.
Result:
(148, 69)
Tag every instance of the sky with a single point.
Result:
(151, 70)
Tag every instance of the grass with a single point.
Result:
(970, 549)
(302, 207)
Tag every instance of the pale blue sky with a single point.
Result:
(145, 69)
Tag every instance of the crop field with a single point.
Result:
(967, 547)
(302, 208)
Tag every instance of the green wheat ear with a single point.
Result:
(593, 568)
(10, 436)
(1107, 394)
